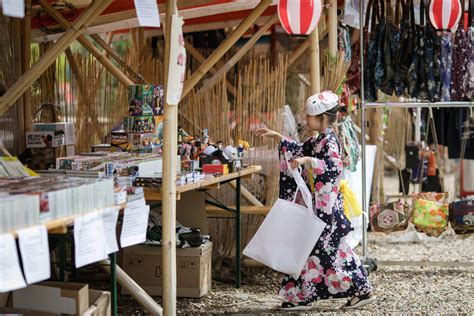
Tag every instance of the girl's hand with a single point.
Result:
(296, 163)
(265, 132)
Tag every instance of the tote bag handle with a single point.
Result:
(301, 185)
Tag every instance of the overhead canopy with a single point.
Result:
(199, 15)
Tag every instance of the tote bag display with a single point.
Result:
(288, 234)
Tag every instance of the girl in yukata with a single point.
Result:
(332, 270)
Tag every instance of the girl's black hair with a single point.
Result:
(332, 114)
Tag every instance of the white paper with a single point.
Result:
(147, 13)
(34, 249)
(89, 239)
(109, 218)
(14, 8)
(135, 223)
(136, 203)
(11, 277)
(177, 68)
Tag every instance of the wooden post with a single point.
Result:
(332, 27)
(17, 58)
(242, 51)
(225, 46)
(315, 72)
(200, 58)
(27, 79)
(28, 111)
(170, 149)
(87, 44)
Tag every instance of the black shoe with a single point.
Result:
(359, 301)
(301, 306)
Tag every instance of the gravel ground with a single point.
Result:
(399, 289)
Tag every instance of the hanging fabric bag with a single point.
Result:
(468, 81)
(406, 46)
(460, 59)
(430, 217)
(390, 46)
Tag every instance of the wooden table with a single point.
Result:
(154, 194)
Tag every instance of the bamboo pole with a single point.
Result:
(18, 67)
(332, 27)
(134, 289)
(49, 57)
(315, 72)
(109, 51)
(242, 51)
(87, 44)
(170, 148)
(28, 111)
(225, 46)
(201, 59)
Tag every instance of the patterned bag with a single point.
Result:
(460, 59)
(468, 82)
(430, 217)
(406, 46)
(389, 217)
(446, 65)
(461, 216)
(370, 90)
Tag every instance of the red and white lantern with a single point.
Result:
(445, 14)
(299, 17)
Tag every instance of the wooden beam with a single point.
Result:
(49, 57)
(200, 58)
(249, 210)
(87, 44)
(128, 18)
(225, 46)
(332, 27)
(315, 72)
(28, 110)
(170, 147)
(242, 51)
(109, 51)
(18, 69)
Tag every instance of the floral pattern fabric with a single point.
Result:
(446, 64)
(332, 270)
(469, 74)
(460, 52)
(430, 217)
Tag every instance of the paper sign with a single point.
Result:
(89, 238)
(34, 249)
(147, 13)
(177, 68)
(136, 203)
(11, 277)
(109, 218)
(135, 223)
(14, 8)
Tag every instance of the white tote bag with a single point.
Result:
(288, 234)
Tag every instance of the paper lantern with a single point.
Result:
(445, 14)
(299, 17)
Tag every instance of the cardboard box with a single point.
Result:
(144, 264)
(53, 297)
(99, 305)
(63, 129)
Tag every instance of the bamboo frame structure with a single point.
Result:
(27, 106)
(18, 67)
(315, 72)
(201, 59)
(242, 51)
(170, 148)
(27, 79)
(332, 27)
(87, 44)
(224, 47)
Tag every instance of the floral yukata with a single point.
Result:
(332, 270)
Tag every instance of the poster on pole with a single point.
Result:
(177, 64)
(147, 13)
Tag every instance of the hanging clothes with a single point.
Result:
(468, 81)
(456, 120)
(332, 270)
(371, 51)
(344, 41)
(406, 46)
(446, 65)
(460, 54)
